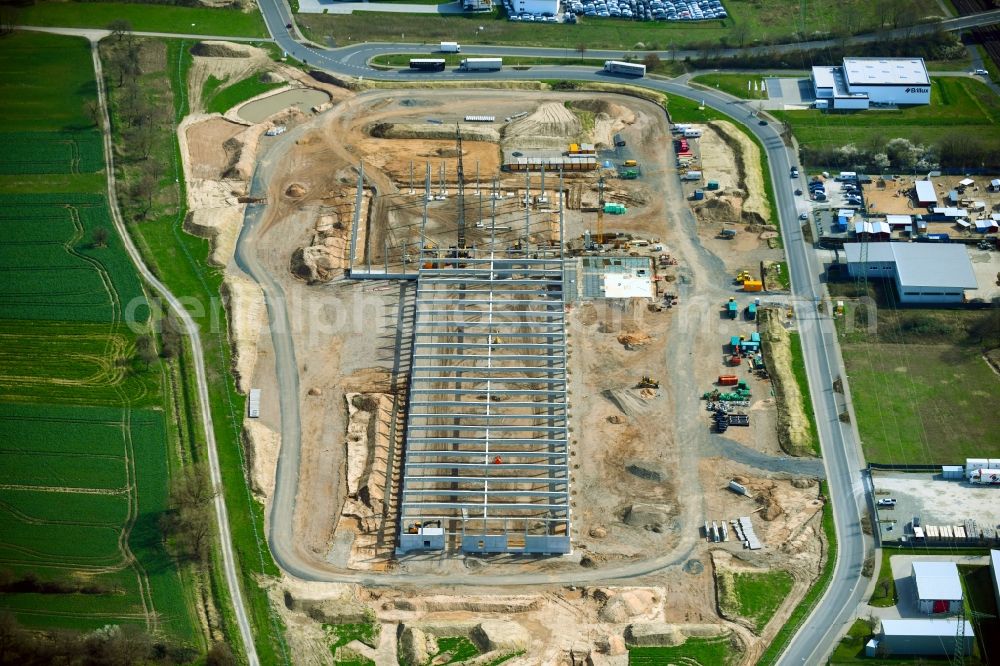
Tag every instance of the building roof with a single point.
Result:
(949, 211)
(921, 264)
(937, 580)
(925, 190)
(886, 71)
(898, 220)
(823, 75)
(943, 627)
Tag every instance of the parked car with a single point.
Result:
(795, 172)
(804, 216)
(798, 191)
(980, 72)
(887, 501)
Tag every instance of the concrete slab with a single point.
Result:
(789, 93)
(985, 266)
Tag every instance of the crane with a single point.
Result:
(600, 212)
(461, 189)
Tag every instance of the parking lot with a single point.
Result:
(934, 500)
(789, 93)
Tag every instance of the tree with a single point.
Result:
(119, 28)
(99, 237)
(188, 522)
(145, 349)
(651, 61)
(741, 32)
(170, 335)
(141, 192)
(220, 655)
(192, 489)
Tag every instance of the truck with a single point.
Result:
(482, 64)
(626, 68)
(450, 47)
(732, 309)
(985, 477)
(427, 64)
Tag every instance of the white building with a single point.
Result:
(926, 196)
(923, 272)
(937, 587)
(861, 82)
(536, 7)
(920, 637)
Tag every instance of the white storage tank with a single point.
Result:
(952, 472)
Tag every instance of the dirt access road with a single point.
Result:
(688, 356)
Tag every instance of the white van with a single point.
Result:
(450, 47)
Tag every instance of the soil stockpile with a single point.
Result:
(793, 426)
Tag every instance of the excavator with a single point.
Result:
(648, 382)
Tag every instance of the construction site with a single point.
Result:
(503, 330)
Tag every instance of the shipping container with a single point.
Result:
(952, 472)
(699, 195)
(728, 380)
(753, 285)
(692, 175)
(253, 404)
(733, 309)
(972, 464)
(713, 185)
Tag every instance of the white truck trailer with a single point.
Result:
(482, 64)
(627, 68)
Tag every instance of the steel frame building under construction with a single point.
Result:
(486, 464)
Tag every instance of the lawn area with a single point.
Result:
(957, 105)
(735, 84)
(145, 18)
(84, 443)
(754, 596)
(764, 21)
(884, 595)
(220, 100)
(922, 404)
(715, 651)
(851, 648)
(920, 385)
(799, 370)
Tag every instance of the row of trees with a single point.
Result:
(956, 151)
(140, 120)
(112, 645)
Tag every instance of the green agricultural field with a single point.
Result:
(145, 17)
(693, 652)
(29, 64)
(85, 455)
(54, 267)
(762, 21)
(957, 105)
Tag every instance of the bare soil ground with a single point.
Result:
(641, 485)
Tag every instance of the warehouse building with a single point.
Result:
(861, 82)
(926, 196)
(995, 573)
(926, 638)
(937, 586)
(923, 272)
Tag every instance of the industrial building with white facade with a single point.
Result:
(897, 638)
(937, 587)
(923, 272)
(863, 82)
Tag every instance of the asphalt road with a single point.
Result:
(198, 356)
(819, 633)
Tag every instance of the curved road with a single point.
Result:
(817, 636)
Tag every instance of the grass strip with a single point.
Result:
(812, 597)
(145, 18)
(799, 370)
